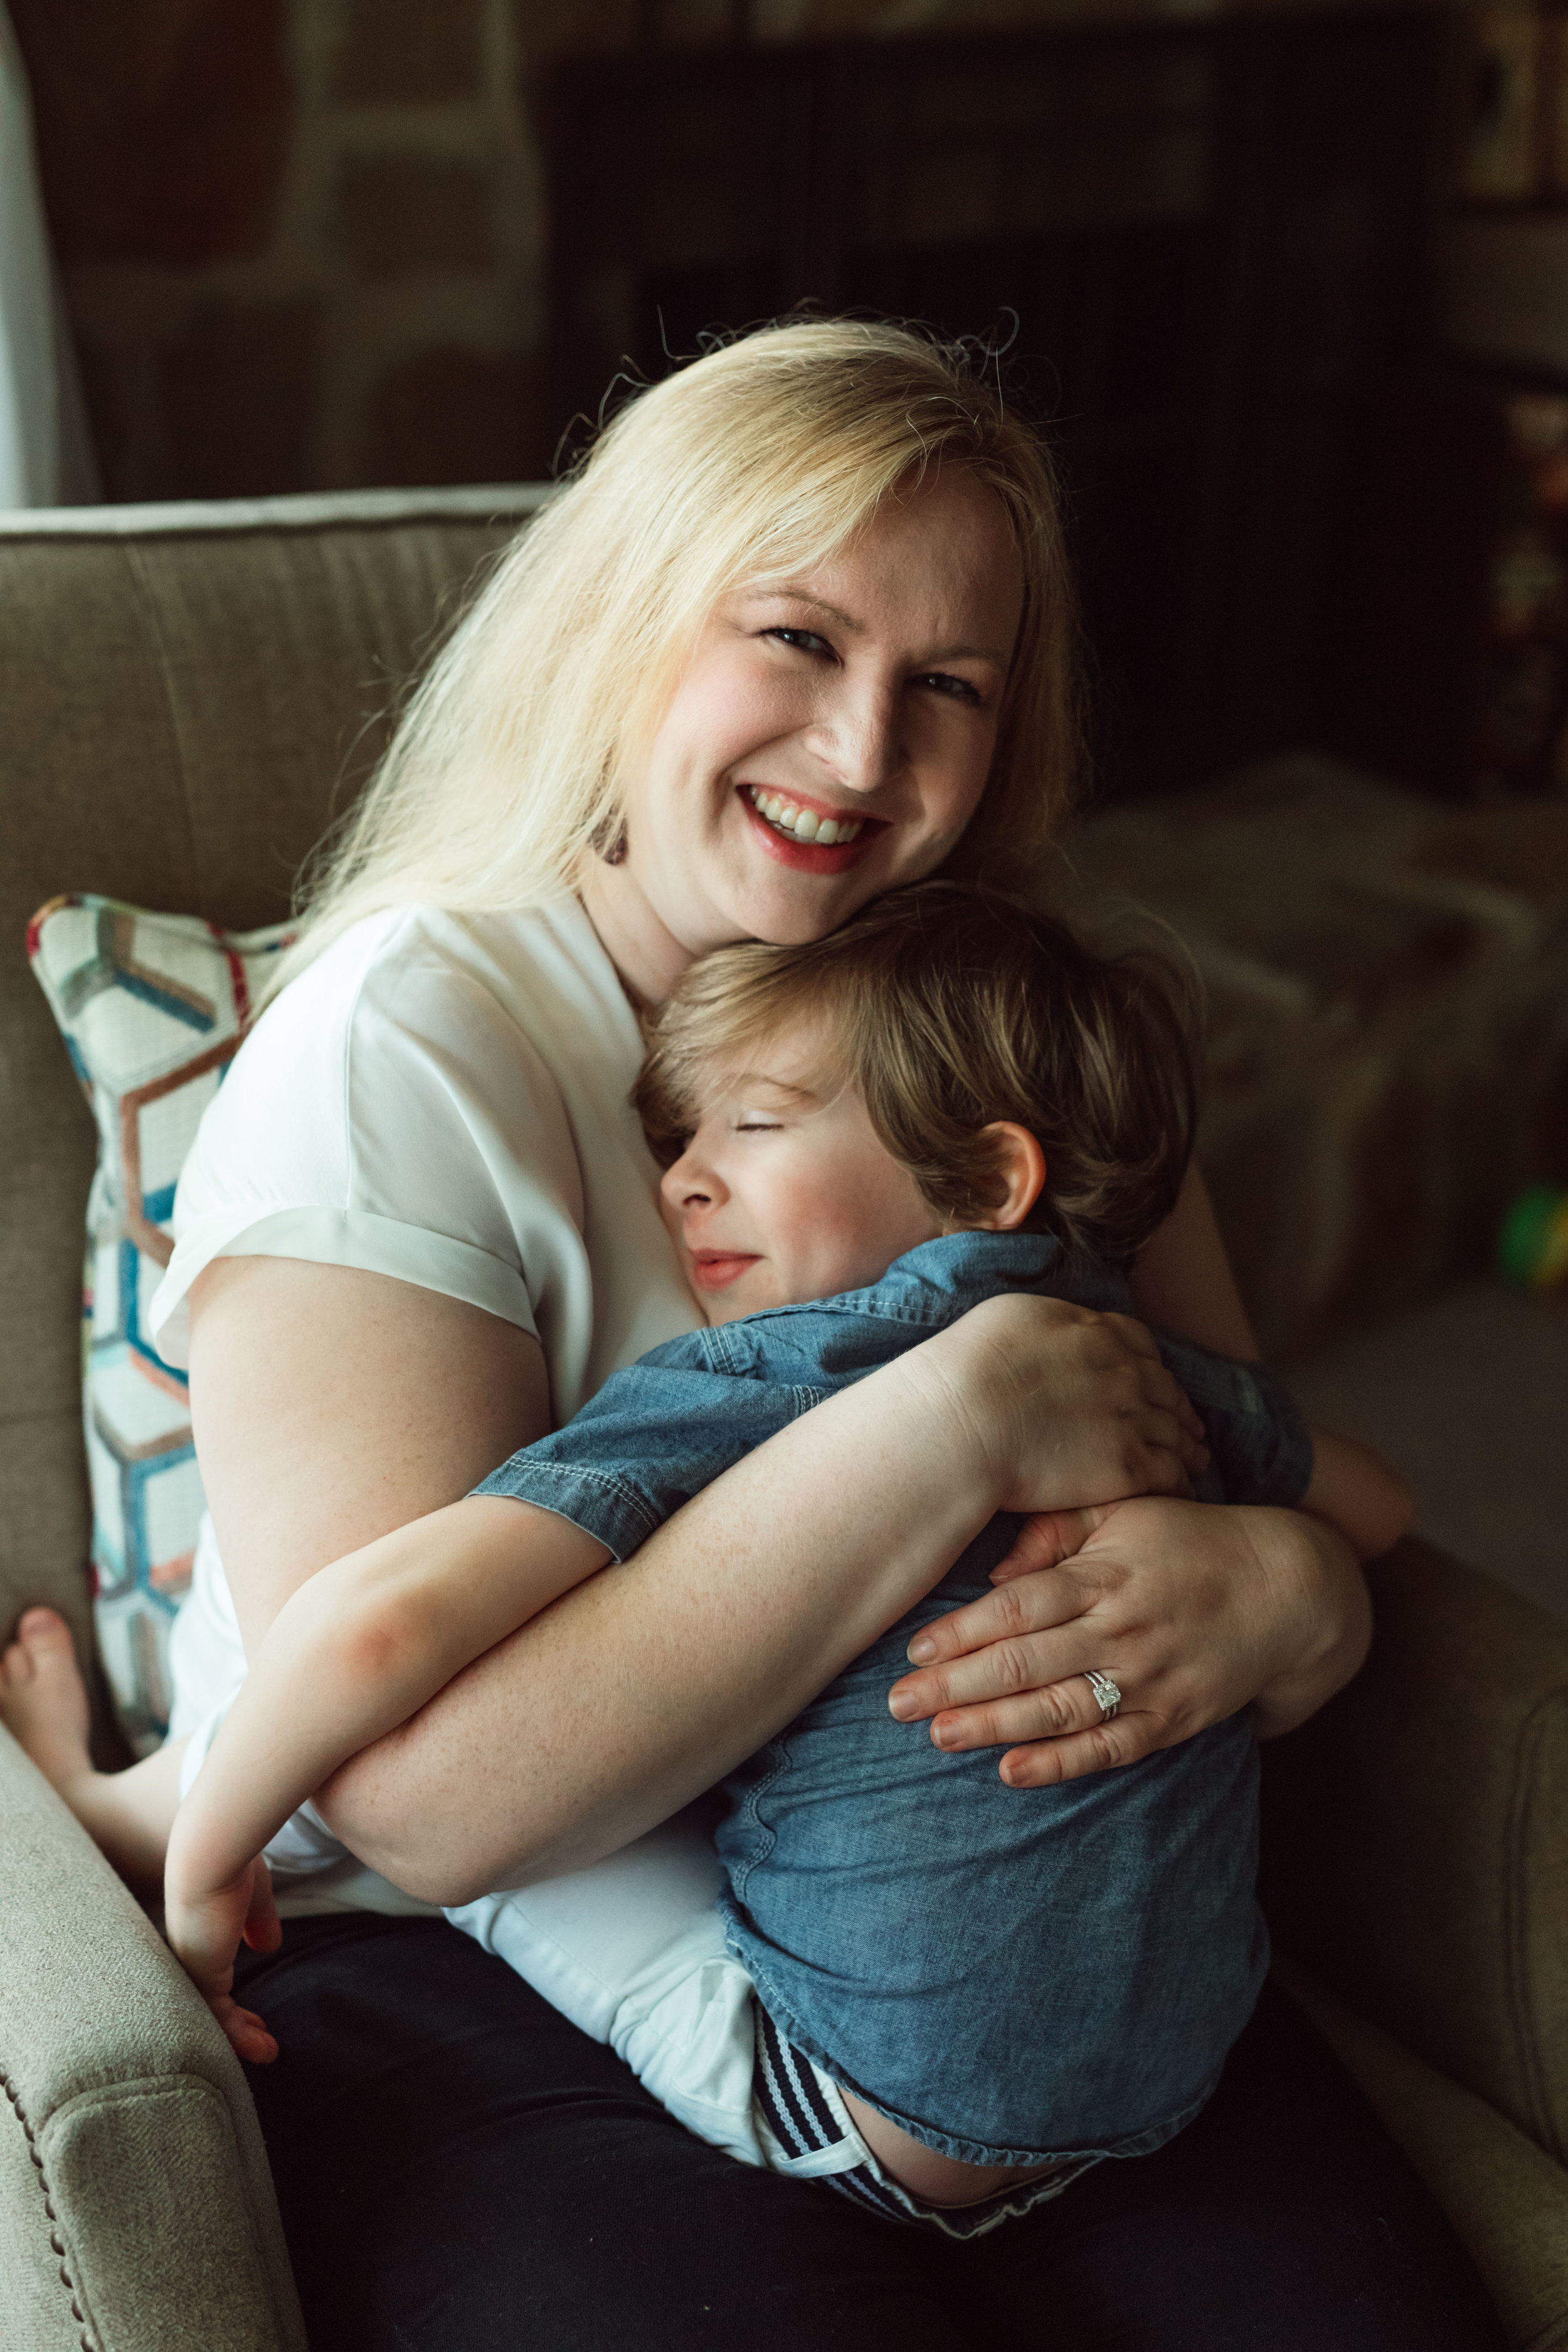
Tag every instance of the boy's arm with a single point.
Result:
(1355, 1490)
(355, 1652)
(1264, 1453)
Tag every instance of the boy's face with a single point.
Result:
(783, 1192)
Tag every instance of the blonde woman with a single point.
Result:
(798, 631)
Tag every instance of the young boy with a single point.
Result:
(986, 1988)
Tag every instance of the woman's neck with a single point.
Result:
(648, 958)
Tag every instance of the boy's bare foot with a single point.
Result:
(43, 1704)
(43, 1700)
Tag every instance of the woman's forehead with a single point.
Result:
(943, 561)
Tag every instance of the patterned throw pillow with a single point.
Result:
(153, 1009)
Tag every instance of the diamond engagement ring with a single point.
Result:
(1105, 1691)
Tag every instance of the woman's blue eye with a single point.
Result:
(804, 640)
(957, 689)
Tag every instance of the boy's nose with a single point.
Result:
(688, 1185)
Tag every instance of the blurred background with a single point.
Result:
(1277, 280)
(1289, 291)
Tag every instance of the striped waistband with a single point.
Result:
(808, 2134)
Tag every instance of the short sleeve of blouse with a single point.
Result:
(388, 1112)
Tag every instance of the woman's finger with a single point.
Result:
(1160, 1470)
(1133, 1335)
(1025, 1605)
(1045, 1541)
(1016, 1668)
(1053, 1712)
(1168, 1415)
(1046, 1763)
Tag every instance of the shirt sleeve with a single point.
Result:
(378, 1117)
(1261, 1447)
(655, 1435)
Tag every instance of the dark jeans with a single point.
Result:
(460, 2170)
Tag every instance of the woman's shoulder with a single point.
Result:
(523, 959)
(412, 1100)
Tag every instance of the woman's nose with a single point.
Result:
(861, 741)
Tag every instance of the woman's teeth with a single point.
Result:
(803, 823)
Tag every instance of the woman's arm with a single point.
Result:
(1183, 1282)
(1184, 1606)
(332, 1405)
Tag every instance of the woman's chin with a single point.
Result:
(789, 910)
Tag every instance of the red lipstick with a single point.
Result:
(811, 857)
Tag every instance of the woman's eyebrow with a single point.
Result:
(790, 591)
(970, 653)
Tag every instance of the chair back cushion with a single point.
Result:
(152, 1009)
(188, 697)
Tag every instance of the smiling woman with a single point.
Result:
(821, 563)
(799, 770)
(814, 578)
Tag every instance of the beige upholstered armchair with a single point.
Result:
(183, 692)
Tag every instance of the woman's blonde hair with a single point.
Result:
(948, 1008)
(762, 459)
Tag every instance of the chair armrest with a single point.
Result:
(1508, 2201)
(1414, 1834)
(135, 2203)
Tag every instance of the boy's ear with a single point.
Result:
(1021, 1164)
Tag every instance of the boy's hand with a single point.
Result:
(1077, 1407)
(206, 1928)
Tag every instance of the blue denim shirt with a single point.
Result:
(1013, 1975)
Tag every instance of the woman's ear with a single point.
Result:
(1021, 1164)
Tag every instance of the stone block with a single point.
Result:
(163, 129)
(455, 415)
(401, 214)
(409, 51)
(1387, 987)
(239, 391)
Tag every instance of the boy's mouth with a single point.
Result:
(716, 1269)
(805, 834)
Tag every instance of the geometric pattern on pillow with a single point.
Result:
(152, 1009)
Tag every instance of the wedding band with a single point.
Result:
(1105, 1691)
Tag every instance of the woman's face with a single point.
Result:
(830, 738)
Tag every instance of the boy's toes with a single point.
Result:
(43, 1650)
(43, 1700)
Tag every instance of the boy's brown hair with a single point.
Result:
(950, 1007)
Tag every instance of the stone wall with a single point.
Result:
(303, 241)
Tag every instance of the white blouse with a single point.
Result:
(443, 1099)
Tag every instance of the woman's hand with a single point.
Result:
(1193, 1609)
(1072, 1407)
